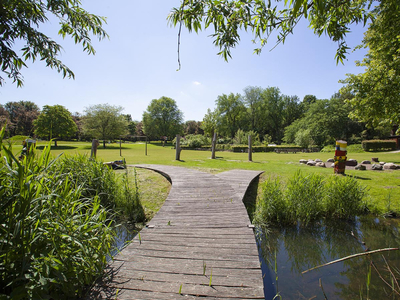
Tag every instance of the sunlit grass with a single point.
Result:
(381, 185)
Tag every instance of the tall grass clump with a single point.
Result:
(303, 195)
(307, 198)
(271, 205)
(128, 200)
(53, 240)
(344, 197)
(95, 178)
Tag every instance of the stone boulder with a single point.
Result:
(360, 167)
(389, 166)
(331, 160)
(318, 160)
(351, 162)
(311, 163)
(320, 164)
(376, 167)
(333, 165)
(366, 162)
(303, 161)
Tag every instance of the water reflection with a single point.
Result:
(125, 234)
(286, 252)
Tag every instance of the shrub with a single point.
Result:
(303, 195)
(343, 197)
(309, 197)
(53, 240)
(379, 145)
(271, 205)
(195, 141)
(242, 138)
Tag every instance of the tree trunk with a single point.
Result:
(55, 143)
(104, 144)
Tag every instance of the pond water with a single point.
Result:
(286, 252)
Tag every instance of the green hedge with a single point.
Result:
(379, 145)
(243, 148)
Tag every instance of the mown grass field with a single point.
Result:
(383, 186)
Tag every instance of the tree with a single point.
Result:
(253, 99)
(22, 114)
(21, 20)
(231, 113)
(209, 123)
(104, 122)
(162, 118)
(192, 127)
(55, 122)
(4, 119)
(377, 90)
(229, 17)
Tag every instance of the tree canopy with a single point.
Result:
(162, 118)
(21, 20)
(105, 122)
(55, 122)
(229, 18)
(377, 90)
(21, 116)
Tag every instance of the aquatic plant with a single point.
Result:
(53, 240)
(344, 197)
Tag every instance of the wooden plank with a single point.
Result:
(202, 226)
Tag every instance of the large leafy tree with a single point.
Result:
(20, 20)
(55, 122)
(162, 118)
(377, 90)
(105, 122)
(229, 18)
(231, 114)
(22, 114)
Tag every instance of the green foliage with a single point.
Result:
(20, 21)
(303, 195)
(53, 240)
(379, 145)
(344, 197)
(303, 138)
(271, 205)
(194, 141)
(242, 138)
(270, 18)
(308, 198)
(105, 122)
(231, 114)
(55, 122)
(375, 91)
(162, 118)
(21, 115)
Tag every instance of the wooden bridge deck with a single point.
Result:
(198, 244)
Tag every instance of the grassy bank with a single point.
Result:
(382, 186)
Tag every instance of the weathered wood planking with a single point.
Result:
(198, 245)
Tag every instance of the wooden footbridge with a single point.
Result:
(200, 243)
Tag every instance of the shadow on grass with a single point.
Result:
(108, 147)
(358, 177)
(58, 147)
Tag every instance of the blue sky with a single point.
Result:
(139, 63)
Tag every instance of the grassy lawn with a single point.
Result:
(383, 186)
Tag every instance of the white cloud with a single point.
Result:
(196, 83)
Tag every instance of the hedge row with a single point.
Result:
(244, 148)
(379, 145)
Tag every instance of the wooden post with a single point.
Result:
(250, 150)
(178, 147)
(145, 147)
(213, 144)
(120, 146)
(95, 144)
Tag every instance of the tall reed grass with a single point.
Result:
(55, 226)
(306, 198)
